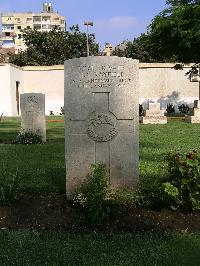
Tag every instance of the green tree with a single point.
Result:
(175, 32)
(140, 48)
(182, 2)
(54, 47)
(173, 35)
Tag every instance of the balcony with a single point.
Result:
(37, 19)
(46, 20)
(7, 35)
(37, 27)
(46, 26)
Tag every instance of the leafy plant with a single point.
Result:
(92, 195)
(62, 110)
(184, 178)
(141, 110)
(178, 189)
(9, 192)
(170, 108)
(183, 108)
(98, 200)
(28, 137)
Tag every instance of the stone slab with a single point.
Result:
(154, 115)
(195, 118)
(154, 120)
(101, 119)
(33, 113)
(192, 119)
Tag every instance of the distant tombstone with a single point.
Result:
(33, 113)
(195, 118)
(101, 119)
(154, 115)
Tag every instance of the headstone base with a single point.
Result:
(195, 118)
(192, 119)
(154, 115)
(154, 120)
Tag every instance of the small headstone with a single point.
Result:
(195, 118)
(101, 119)
(33, 113)
(154, 115)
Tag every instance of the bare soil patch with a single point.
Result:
(51, 212)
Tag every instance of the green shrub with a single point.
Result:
(170, 108)
(141, 110)
(62, 110)
(183, 108)
(92, 196)
(98, 200)
(9, 191)
(184, 179)
(179, 189)
(28, 137)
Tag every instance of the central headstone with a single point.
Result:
(101, 119)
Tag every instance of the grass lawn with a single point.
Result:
(29, 248)
(41, 168)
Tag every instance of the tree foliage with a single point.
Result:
(173, 35)
(139, 48)
(53, 47)
(182, 2)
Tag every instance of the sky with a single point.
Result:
(114, 20)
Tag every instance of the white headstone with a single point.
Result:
(101, 119)
(154, 115)
(195, 118)
(33, 113)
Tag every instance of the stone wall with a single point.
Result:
(158, 83)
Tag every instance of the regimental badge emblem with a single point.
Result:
(101, 127)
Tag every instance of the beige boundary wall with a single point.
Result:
(158, 83)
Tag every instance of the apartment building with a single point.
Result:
(14, 23)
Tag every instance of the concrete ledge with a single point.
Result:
(154, 120)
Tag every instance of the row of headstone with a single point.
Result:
(101, 118)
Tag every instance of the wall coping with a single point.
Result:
(61, 67)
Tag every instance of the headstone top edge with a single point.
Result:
(135, 61)
(31, 93)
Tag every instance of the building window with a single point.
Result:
(46, 26)
(28, 27)
(18, 19)
(19, 27)
(29, 19)
(7, 34)
(62, 22)
(36, 19)
(37, 27)
(9, 19)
